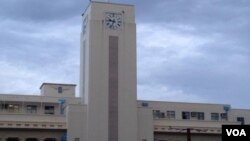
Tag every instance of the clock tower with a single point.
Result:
(108, 72)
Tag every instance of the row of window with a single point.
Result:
(193, 115)
(189, 115)
(32, 109)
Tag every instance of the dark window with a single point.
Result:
(1, 105)
(162, 115)
(60, 90)
(144, 104)
(224, 116)
(241, 119)
(214, 116)
(50, 110)
(185, 115)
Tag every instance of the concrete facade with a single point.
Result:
(41, 117)
(171, 120)
(108, 72)
(107, 109)
(157, 120)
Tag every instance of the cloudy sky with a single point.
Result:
(187, 50)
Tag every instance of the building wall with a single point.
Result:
(23, 134)
(183, 137)
(234, 113)
(58, 90)
(204, 108)
(16, 120)
(145, 124)
(97, 87)
(173, 128)
(39, 125)
(76, 122)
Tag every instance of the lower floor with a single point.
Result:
(59, 135)
(31, 135)
(158, 136)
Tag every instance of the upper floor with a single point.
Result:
(196, 111)
(51, 101)
(177, 117)
(46, 110)
(57, 90)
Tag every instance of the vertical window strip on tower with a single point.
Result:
(113, 89)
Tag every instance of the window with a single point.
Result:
(144, 104)
(12, 108)
(50, 110)
(158, 114)
(162, 115)
(214, 116)
(171, 114)
(200, 115)
(185, 115)
(1, 106)
(223, 116)
(59, 89)
(194, 114)
(241, 119)
(31, 108)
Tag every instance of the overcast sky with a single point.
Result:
(187, 50)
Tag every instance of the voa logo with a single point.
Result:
(236, 132)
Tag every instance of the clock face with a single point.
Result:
(113, 20)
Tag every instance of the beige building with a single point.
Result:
(107, 108)
(36, 118)
(46, 117)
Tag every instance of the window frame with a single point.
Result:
(49, 111)
(32, 110)
(224, 116)
(60, 90)
(185, 115)
(215, 116)
(170, 114)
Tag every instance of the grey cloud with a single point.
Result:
(35, 10)
(41, 39)
(219, 76)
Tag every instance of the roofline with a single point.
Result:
(57, 84)
(105, 3)
(111, 3)
(180, 102)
